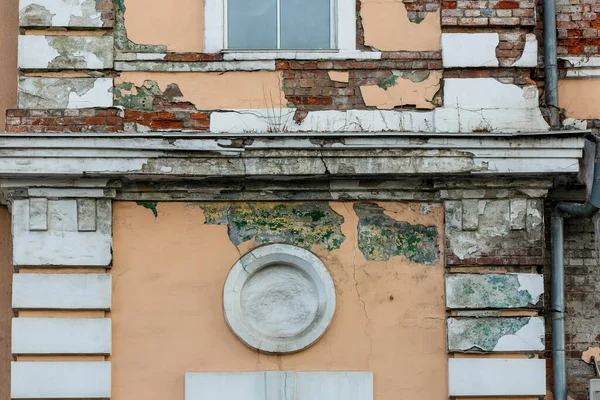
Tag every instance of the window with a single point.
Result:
(280, 24)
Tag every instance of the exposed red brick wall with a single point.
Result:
(504, 75)
(488, 13)
(307, 85)
(184, 118)
(84, 120)
(578, 27)
(582, 306)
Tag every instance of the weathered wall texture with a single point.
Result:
(579, 98)
(6, 314)
(582, 321)
(9, 31)
(171, 261)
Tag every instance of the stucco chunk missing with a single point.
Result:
(300, 224)
(388, 28)
(403, 91)
(496, 334)
(205, 90)
(472, 291)
(42, 93)
(65, 52)
(59, 13)
(381, 237)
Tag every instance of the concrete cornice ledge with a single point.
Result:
(165, 156)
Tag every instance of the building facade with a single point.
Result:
(269, 199)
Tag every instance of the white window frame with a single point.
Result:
(343, 32)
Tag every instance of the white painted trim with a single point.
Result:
(158, 155)
(344, 26)
(60, 380)
(253, 262)
(529, 57)
(343, 54)
(61, 336)
(63, 243)
(496, 377)
(62, 291)
(279, 385)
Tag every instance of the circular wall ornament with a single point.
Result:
(279, 298)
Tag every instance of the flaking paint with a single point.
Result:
(211, 90)
(403, 91)
(168, 277)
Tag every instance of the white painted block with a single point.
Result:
(60, 380)
(62, 291)
(63, 243)
(61, 335)
(65, 52)
(279, 385)
(469, 49)
(529, 57)
(496, 377)
(42, 92)
(63, 13)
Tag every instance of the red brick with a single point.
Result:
(94, 121)
(448, 4)
(166, 124)
(114, 121)
(198, 116)
(279, 65)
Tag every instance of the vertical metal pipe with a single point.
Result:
(559, 367)
(550, 63)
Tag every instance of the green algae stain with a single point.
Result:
(150, 205)
(491, 290)
(381, 237)
(387, 83)
(133, 97)
(300, 224)
(482, 333)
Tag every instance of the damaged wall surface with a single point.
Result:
(382, 323)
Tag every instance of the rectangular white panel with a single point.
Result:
(60, 380)
(496, 377)
(62, 291)
(279, 385)
(61, 335)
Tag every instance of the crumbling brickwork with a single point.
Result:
(82, 120)
(578, 24)
(582, 312)
(488, 13)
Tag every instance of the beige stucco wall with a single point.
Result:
(9, 30)
(181, 23)
(168, 276)
(579, 97)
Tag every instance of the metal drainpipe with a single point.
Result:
(550, 66)
(587, 210)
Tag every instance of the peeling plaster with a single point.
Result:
(208, 90)
(387, 27)
(65, 52)
(300, 224)
(529, 57)
(381, 237)
(65, 92)
(339, 76)
(59, 13)
(403, 92)
(474, 104)
(496, 334)
(476, 291)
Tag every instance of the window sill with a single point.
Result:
(248, 55)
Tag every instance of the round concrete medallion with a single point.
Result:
(279, 298)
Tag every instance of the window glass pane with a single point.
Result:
(305, 24)
(252, 24)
